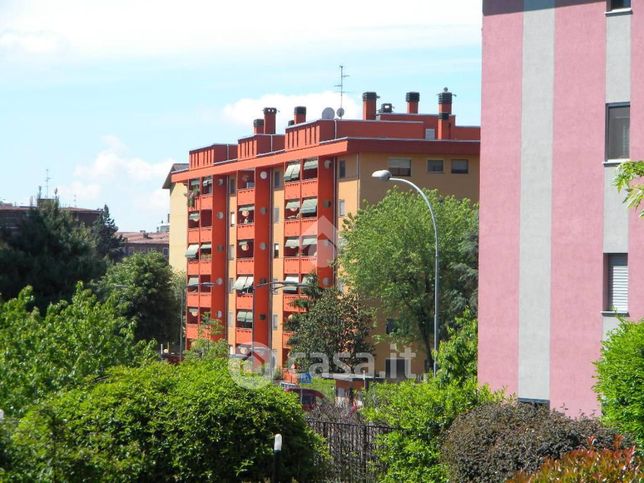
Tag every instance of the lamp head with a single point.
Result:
(381, 174)
(278, 443)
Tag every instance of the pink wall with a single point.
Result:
(577, 205)
(499, 230)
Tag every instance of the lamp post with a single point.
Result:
(385, 175)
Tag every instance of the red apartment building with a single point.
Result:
(269, 208)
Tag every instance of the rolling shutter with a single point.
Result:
(618, 282)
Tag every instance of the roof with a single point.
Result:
(174, 168)
(145, 238)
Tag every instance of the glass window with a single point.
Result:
(618, 119)
(400, 167)
(342, 169)
(277, 179)
(310, 169)
(275, 322)
(292, 209)
(231, 185)
(341, 208)
(292, 247)
(460, 166)
(435, 165)
(276, 214)
(617, 282)
(618, 4)
(276, 250)
(207, 185)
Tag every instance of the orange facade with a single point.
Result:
(270, 208)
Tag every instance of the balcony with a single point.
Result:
(309, 226)
(205, 266)
(292, 265)
(245, 265)
(288, 303)
(192, 331)
(310, 188)
(192, 299)
(245, 302)
(204, 202)
(243, 336)
(193, 267)
(205, 300)
(307, 264)
(245, 232)
(292, 190)
(285, 337)
(292, 228)
(206, 234)
(246, 196)
(193, 235)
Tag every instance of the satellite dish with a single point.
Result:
(340, 112)
(328, 113)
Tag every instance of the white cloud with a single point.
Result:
(134, 28)
(30, 43)
(80, 192)
(243, 111)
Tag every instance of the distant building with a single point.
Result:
(177, 225)
(143, 242)
(12, 215)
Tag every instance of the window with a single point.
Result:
(618, 4)
(310, 169)
(207, 185)
(245, 248)
(460, 166)
(276, 214)
(435, 166)
(275, 322)
(430, 134)
(400, 167)
(309, 207)
(231, 252)
(276, 250)
(617, 282)
(231, 283)
(232, 218)
(231, 185)
(205, 251)
(277, 179)
(618, 120)
(309, 246)
(342, 169)
(191, 252)
(292, 209)
(244, 283)
(341, 208)
(292, 282)
(231, 319)
(292, 172)
(246, 215)
(292, 247)
(193, 284)
(390, 326)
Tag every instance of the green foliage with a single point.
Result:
(334, 323)
(49, 251)
(620, 375)
(208, 344)
(74, 341)
(162, 422)
(421, 413)
(143, 288)
(629, 179)
(109, 245)
(494, 441)
(592, 464)
(457, 356)
(389, 254)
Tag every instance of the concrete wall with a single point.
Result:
(178, 227)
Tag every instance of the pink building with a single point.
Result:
(560, 255)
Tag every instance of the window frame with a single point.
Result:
(454, 170)
(611, 8)
(433, 171)
(610, 266)
(399, 170)
(342, 168)
(607, 155)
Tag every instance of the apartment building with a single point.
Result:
(269, 208)
(177, 225)
(560, 255)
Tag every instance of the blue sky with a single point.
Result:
(107, 94)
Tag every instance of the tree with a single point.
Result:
(73, 341)
(388, 254)
(49, 251)
(626, 180)
(334, 323)
(142, 287)
(620, 379)
(163, 422)
(108, 243)
(457, 356)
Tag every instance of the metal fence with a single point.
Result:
(353, 448)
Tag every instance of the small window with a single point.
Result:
(276, 214)
(618, 120)
(207, 185)
(231, 319)
(390, 326)
(246, 215)
(231, 252)
(400, 167)
(430, 134)
(275, 322)
(232, 218)
(231, 283)
(193, 284)
(231, 185)
(618, 4)
(341, 208)
(277, 179)
(245, 319)
(617, 282)
(276, 250)
(342, 169)
(292, 172)
(435, 166)
(460, 166)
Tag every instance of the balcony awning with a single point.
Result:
(193, 216)
(245, 316)
(292, 172)
(292, 243)
(206, 246)
(193, 282)
(192, 250)
(311, 164)
(193, 311)
(207, 181)
(292, 282)
(194, 183)
(293, 205)
(243, 282)
(308, 241)
(309, 206)
(247, 208)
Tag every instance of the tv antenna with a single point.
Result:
(341, 86)
(47, 180)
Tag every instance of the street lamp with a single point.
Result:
(385, 175)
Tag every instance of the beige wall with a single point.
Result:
(277, 267)
(178, 227)
(232, 269)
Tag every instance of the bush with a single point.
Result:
(620, 374)
(589, 465)
(494, 441)
(420, 413)
(164, 423)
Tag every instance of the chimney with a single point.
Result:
(300, 114)
(387, 108)
(258, 126)
(269, 120)
(369, 105)
(444, 113)
(412, 98)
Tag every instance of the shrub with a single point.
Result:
(494, 441)
(420, 413)
(164, 423)
(589, 464)
(620, 374)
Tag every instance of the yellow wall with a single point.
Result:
(178, 227)
(277, 269)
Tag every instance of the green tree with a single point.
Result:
(142, 287)
(457, 356)
(40, 355)
(208, 344)
(620, 379)
(629, 179)
(162, 422)
(109, 245)
(334, 323)
(49, 251)
(388, 253)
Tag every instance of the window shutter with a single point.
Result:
(618, 282)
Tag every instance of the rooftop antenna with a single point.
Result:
(47, 180)
(341, 86)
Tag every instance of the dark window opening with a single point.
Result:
(342, 169)
(400, 167)
(246, 180)
(435, 166)
(291, 247)
(246, 215)
(618, 123)
(245, 249)
(460, 166)
(310, 169)
(292, 209)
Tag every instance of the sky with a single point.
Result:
(105, 95)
